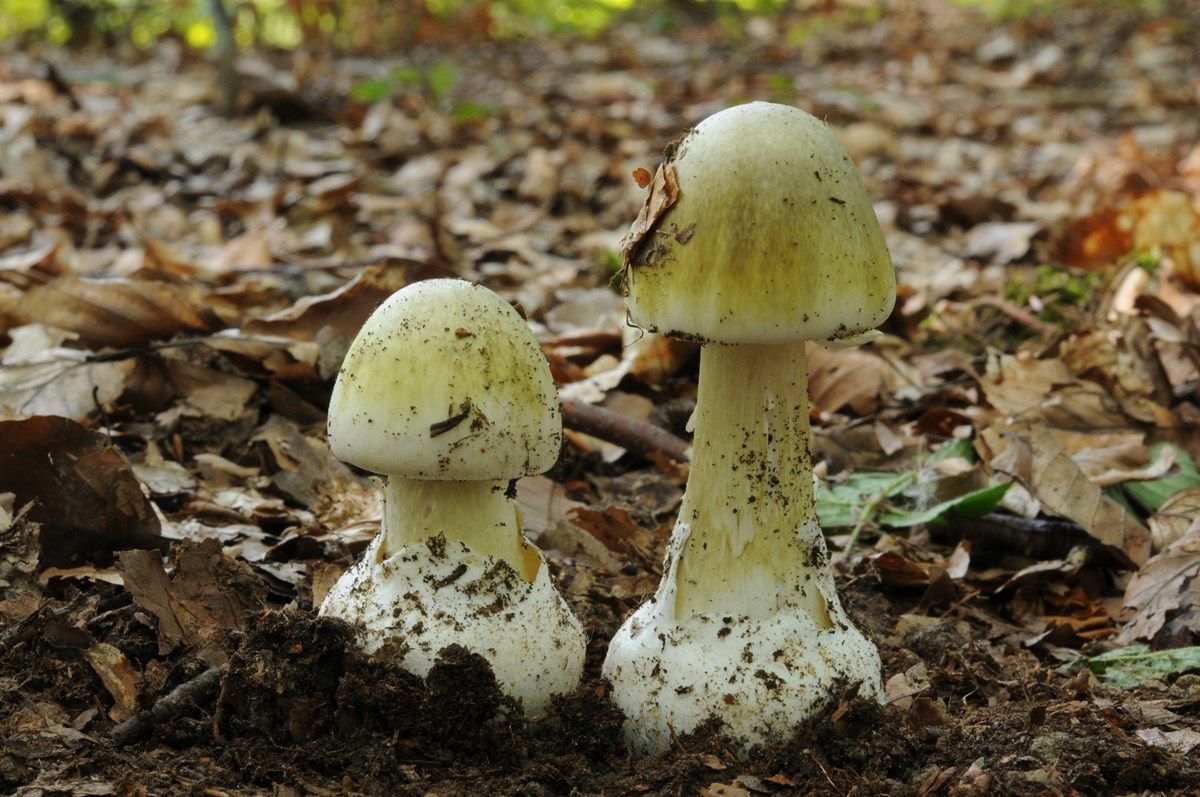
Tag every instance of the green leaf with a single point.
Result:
(372, 90)
(1152, 493)
(879, 495)
(842, 504)
(440, 78)
(962, 449)
(471, 111)
(1136, 665)
(972, 505)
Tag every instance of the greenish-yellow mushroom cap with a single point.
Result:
(446, 381)
(771, 237)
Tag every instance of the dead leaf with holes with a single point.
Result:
(1166, 588)
(207, 595)
(1032, 456)
(664, 193)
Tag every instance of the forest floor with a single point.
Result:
(177, 290)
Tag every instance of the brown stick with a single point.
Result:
(1033, 538)
(1018, 314)
(633, 435)
(174, 703)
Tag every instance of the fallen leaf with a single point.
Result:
(664, 193)
(305, 469)
(331, 320)
(86, 498)
(1182, 741)
(1178, 517)
(1166, 586)
(119, 677)
(207, 594)
(62, 382)
(1027, 390)
(838, 379)
(1033, 457)
(117, 312)
(1001, 242)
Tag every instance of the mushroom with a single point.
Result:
(764, 238)
(446, 393)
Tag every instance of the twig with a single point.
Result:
(1018, 314)
(640, 437)
(174, 703)
(1033, 538)
(60, 84)
(227, 80)
(868, 511)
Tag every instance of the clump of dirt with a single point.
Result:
(300, 696)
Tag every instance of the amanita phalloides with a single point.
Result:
(446, 393)
(758, 236)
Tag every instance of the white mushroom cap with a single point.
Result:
(773, 238)
(446, 381)
(440, 592)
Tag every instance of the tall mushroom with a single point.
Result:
(758, 236)
(446, 393)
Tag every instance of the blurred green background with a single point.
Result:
(369, 26)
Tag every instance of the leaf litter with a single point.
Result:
(1008, 472)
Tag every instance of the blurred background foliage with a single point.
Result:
(362, 26)
(378, 26)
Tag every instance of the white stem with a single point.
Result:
(747, 541)
(477, 513)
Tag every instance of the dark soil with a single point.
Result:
(300, 708)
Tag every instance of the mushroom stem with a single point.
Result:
(477, 513)
(748, 541)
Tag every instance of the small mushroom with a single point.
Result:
(446, 393)
(781, 246)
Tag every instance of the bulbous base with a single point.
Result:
(762, 676)
(435, 593)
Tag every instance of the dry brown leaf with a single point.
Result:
(333, 319)
(724, 790)
(117, 312)
(305, 469)
(251, 250)
(1166, 585)
(87, 499)
(61, 382)
(1032, 456)
(1178, 517)
(33, 266)
(205, 393)
(1110, 358)
(1182, 741)
(664, 192)
(207, 595)
(1165, 219)
(119, 677)
(612, 526)
(279, 357)
(1109, 458)
(1026, 390)
(847, 377)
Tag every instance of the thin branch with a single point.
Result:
(176, 701)
(640, 437)
(1018, 314)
